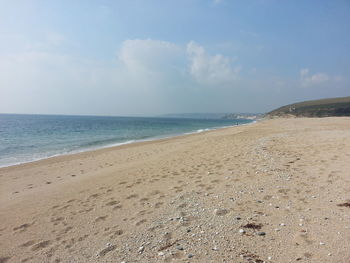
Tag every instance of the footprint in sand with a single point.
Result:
(117, 207)
(111, 203)
(28, 243)
(22, 228)
(41, 245)
(159, 204)
(141, 222)
(106, 250)
(132, 196)
(117, 233)
(101, 218)
(4, 259)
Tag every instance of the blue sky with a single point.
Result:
(154, 57)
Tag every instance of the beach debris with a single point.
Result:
(322, 244)
(261, 233)
(161, 253)
(220, 212)
(347, 204)
(190, 255)
(242, 231)
(253, 226)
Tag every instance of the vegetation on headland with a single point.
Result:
(314, 108)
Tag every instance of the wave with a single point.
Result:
(15, 155)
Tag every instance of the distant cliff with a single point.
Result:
(314, 108)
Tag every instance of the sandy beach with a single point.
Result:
(274, 191)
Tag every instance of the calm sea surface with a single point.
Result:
(25, 138)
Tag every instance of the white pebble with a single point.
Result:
(141, 249)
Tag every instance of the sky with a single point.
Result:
(152, 57)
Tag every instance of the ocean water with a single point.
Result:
(25, 138)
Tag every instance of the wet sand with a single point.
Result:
(274, 191)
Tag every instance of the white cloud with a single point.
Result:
(211, 70)
(148, 77)
(308, 80)
(148, 54)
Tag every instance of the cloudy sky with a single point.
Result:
(149, 57)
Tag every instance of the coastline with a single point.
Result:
(160, 137)
(187, 198)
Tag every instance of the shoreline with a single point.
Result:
(273, 191)
(152, 139)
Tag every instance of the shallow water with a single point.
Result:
(25, 138)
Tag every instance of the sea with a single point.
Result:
(26, 138)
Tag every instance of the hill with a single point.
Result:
(314, 108)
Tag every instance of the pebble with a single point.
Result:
(179, 248)
(322, 244)
(141, 249)
(190, 255)
(242, 231)
(261, 233)
(161, 254)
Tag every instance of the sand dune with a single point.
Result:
(274, 191)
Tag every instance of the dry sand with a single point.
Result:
(274, 191)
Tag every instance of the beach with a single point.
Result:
(273, 191)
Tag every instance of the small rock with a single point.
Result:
(261, 233)
(161, 254)
(190, 255)
(141, 249)
(179, 248)
(322, 244)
